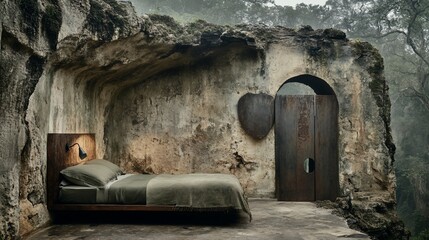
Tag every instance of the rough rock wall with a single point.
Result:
(30, 30)
(24, 47)
(162, 98)
(185, 119)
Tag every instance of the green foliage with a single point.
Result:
(423, 235)
(400, 29)
(235, 11)
(51, 22)
(30, 13)
(188, 10)
(413, 185)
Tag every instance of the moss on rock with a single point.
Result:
(370, 59)
(319, 44)
(106, 22)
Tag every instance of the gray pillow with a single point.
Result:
(88, 175)
(107, 164)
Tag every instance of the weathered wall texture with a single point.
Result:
(185, 119)
(23, 52)
(162, 98)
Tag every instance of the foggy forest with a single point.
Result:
(398, 28)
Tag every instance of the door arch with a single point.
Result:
(306, 141)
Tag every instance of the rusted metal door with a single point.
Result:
(306, 131)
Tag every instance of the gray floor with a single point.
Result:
(271, 220)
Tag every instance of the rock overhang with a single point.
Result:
(150, 50)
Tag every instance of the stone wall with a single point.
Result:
(22, 59)
(185, 119)
(162, 98)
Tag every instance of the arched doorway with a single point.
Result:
(306, 140)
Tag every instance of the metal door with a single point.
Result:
(306, 147)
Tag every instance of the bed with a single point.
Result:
(100, 185)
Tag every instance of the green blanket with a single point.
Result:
(197, 191)
(130, 190)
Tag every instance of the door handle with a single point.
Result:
(309, 165)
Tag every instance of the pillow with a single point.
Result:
(107, 164)
(88, 175)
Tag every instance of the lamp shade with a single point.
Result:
(82, 153)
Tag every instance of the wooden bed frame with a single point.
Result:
(58, 159)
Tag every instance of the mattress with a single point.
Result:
(187, 191)
(78, 194)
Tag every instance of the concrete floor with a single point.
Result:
(271, 220)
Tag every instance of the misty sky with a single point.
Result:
(294, 2)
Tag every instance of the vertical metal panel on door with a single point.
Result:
(326, 147)
(294, 143)
(306, 127)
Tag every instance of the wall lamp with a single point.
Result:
(82, 153)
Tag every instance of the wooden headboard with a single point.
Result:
(58, 158)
